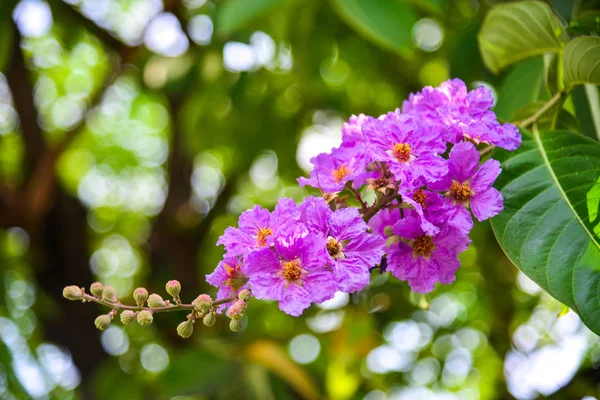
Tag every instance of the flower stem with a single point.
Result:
(526, 122)
(169, 307)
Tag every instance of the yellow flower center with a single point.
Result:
(401, 152)
(292, 270)
(340, 173)
(423, 246)
(261, 236)
(420, 197)
(461, 192)
(333, 247)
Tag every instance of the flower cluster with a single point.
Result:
(423, 166)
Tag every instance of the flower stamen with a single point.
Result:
(341, 173)
(292, 270)
(401, 152)
(261, 236)
(461, 192)
(423, 246)
(420, 197)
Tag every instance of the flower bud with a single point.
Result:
(140, 295)
(245, 295)
(236, 325)
(209, 319)
(392, 240)
(203, 303)
(173, 288)
(388, 230)
(237, 310)
(155, 301)
(128, 317)
(185, 329)
(97, 289)
(103, 321)
(237, 279)
(109, 292)
(73, 293)
(145, 317)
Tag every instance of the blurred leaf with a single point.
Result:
(520, 87)
(341, 384)
(270, 355)
(515, 31)
(108, 383)
(553, 72)
(587, 109)
(582, 61)
(196, 372)
(551, 221)
(234, 15)
(586, 23)
(387, 22)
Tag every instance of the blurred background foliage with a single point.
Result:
(132, 132)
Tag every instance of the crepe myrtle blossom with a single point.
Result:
(410, 150)
(469, 185)
(293, 272)
(352, 250)
(258, 227)
(421, 259)
(230, 277)
(463, 115)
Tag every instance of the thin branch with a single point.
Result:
(526, 122)
(167, 308)
(487, 150)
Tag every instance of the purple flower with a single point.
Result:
(409, 149)
(429, 206)
(258, 227)
(352, 131)
(293, 272)
(230, 277)
(332, 170)
(315, 214)
(383, 220)
(469, 184)
(424, 260)
(462, 114)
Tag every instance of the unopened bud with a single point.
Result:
(203, 303)
(185, 329)
(140, 295)
(236, 325)
(73, 293)
(109, 292)
(392, 240)
(209, 319)
(96, 289)
(237, 279)
(245, 295)
(155, 301)
(173, 288)
(103, 321)
(388, 230)
(145, 317)
(237, 310)
(128, 317)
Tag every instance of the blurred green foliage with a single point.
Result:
(135, 150)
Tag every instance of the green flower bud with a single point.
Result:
(203, 303)
(173, 288)
(128, 317)
(73, 293)
(388, 230)
(96, 289)
(209, 319)
(103, 321)
(145, 317)
(236, 325)
(237, 309)
(140, 295)
(109, 293)
(185, 329)
(245, 295)
(155, 301)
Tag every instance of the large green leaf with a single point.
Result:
(582, 61)
(515, 31)
(521, 87)
(233, 15)
(551, 221)
(387, 22)
(586, 100)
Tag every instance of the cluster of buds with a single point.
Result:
(146, 305)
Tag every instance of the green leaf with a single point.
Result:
(581, 61)
(555, 118)
(586, 23)
(234, 15)
(387, 22)
(515, 31)
(521, 87)
(551, 221)
(586, 100)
